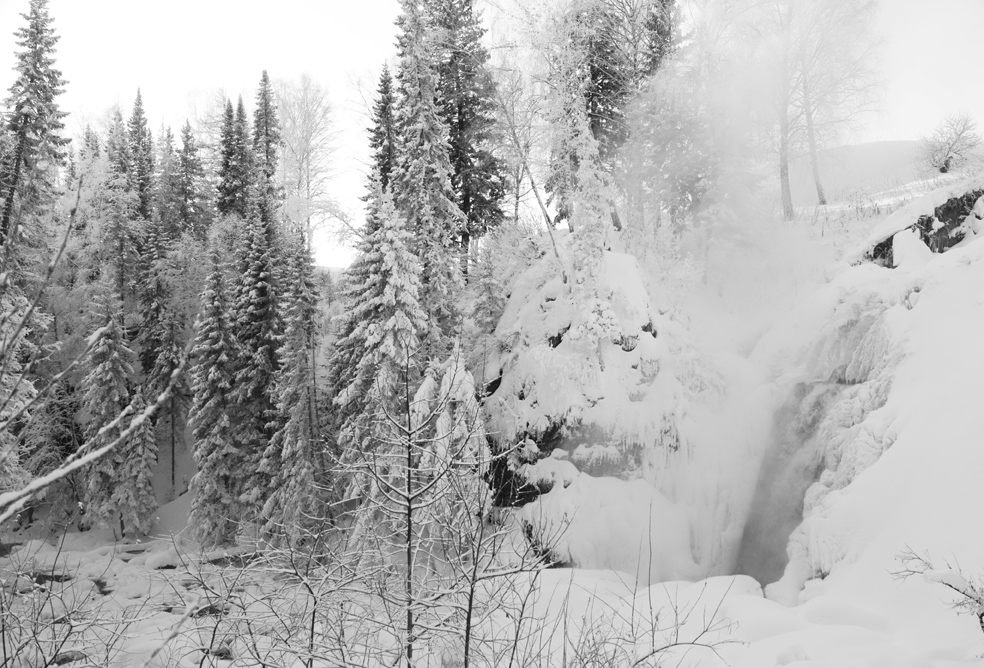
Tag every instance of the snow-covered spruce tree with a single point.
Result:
(167, 186)
(152, 292)
(141, 149)
(228, 184)
(421, 183)
(133, 492)
(161, 339)
(466, 92)
(114, 206)
(193, 201)
(381, 330)
(257, 339)
(52, 436)
(266, 140)
(296, 504)
(215, 506)
(107, 373)
(235, 169)
(382, 134)
(33, 120)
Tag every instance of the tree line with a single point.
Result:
(195, 250)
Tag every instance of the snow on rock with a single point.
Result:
(923, 215)
(607, 523)
(554, 380)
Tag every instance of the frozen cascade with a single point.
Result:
(793, 462)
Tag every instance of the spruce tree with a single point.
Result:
(118, 147)
(33, 120)
(115, 203)
(215, 507)
(193, 207)
(382, 134)
(141, 150)
(107, 373)
(421, 183)
(382, 330)
(235, 170)
(153, 293)
(241, 142)
(167, 187)
(467, 103)
(293, 459)
(257, 343)
(226, 196)
(266, 141)
(161, 340)
(133, 492)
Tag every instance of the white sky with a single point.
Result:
(183, 49)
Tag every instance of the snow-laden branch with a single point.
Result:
(13, 502)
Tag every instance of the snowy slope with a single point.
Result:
(845, 170)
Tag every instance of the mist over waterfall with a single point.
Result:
(793, 462)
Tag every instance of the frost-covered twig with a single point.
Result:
(970, 590)
(12, 502)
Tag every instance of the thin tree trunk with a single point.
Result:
(787, 196)
(465, 246)
(812, 140)
(174, 425)
(409, 556)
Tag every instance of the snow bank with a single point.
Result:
(907, 215)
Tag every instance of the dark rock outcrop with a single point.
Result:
(940, 231)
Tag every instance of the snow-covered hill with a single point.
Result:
(846, 170)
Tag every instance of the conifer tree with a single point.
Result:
(382, 329)
(153, 294)
(167, 187)
(266, 142)
(215, 507)
(467, 92)
(236, 163)
(33, 119)
(226, 197)
(421, 183)
(133, 491)
(107, 373)
(295, 503)
(161, 340)
(257, 343)
(118, 147)
(244, 157)
(193, 207)
(115, 203)
(382, 134)
(141, 150)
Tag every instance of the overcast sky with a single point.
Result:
(184, 49)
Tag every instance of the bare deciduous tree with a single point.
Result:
(308, 137)
(837, 80)
(952, 143)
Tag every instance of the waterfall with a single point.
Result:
(793, 461)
